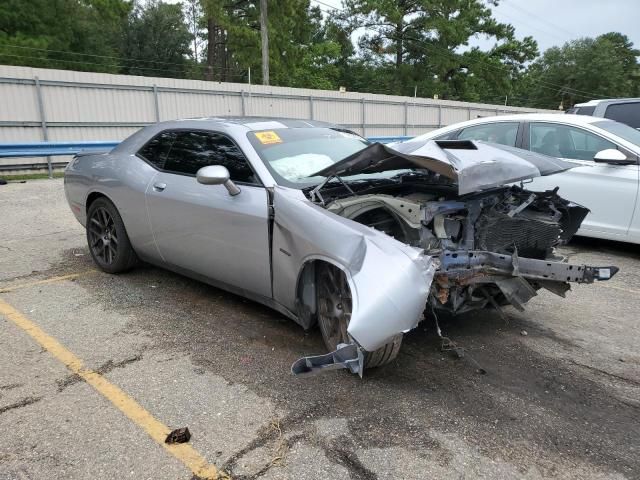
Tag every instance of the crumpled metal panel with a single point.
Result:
(473, 165)
(389, 280)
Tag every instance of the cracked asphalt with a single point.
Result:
(560, 399)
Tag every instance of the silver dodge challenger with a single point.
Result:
(316, 222)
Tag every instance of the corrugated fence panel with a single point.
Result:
(343, 112)
(65, 104)
(485, 113)
(422, 115)
(18, 102)
(277, 107)
(193, 104)
(380, 113)
(86, 106)
(385, 131)
(415, 131)
(20, 134)
(455, 115)
(87, 134)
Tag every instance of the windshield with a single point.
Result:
(292, 154)
(621, 130)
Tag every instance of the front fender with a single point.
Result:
(389, 280)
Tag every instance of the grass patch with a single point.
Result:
(30, 176)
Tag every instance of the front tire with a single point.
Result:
(334, 313)
(107, 238)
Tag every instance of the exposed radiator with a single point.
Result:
(534, 238)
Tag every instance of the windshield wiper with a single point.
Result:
(315, 193)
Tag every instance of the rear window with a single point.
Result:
(628, 113)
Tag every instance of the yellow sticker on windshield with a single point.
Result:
(268, 138)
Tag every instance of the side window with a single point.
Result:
(193, 150)
(628, 113)
(500, 132)
(585, 110)
(156, 150)
(566, 142)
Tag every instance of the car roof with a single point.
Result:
(591, 103)
(532, 117)
(251, 123)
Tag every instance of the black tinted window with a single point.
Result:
(193, 150)
(156, 150)
(628, 113)
(585, 110)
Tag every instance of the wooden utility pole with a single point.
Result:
(211, 48)
(264, 36)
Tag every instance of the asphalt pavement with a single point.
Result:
(96, 369)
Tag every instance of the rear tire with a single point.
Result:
(334, 313)
(107, 238)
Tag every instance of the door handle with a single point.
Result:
(159, 187)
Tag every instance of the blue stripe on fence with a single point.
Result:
(50, 149)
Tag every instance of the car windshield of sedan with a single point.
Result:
(292, 154)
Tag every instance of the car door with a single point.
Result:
(204, 229)
(608, 190)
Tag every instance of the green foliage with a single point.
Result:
(300, 54)
(602, 67)
(408, 47)
(68, 34)
(156, 41)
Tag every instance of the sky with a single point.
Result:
(554, 22)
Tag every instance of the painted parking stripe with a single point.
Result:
(127, 405)
(46, 281)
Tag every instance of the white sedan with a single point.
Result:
(607, 180)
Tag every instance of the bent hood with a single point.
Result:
(473, 165)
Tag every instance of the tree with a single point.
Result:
(423, 45)
(300, 54)
(156, 41)
(68, 34)
(194, 16)
(581, 70)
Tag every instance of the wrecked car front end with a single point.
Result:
(468, 240)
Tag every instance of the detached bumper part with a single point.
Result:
(345, 356)
(477, 266)
(604, 273)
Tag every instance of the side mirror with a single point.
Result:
(217, 175)
(611, 155)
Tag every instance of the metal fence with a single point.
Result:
(60, 105)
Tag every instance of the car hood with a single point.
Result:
(472, 165)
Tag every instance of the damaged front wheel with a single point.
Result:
(334, 312)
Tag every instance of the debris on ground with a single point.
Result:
(179, 435)
(449, 345)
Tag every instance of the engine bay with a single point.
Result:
(494, 247)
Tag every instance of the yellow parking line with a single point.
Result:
(71, 276)
(127, 405)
